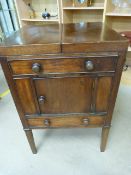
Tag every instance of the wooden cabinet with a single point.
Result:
(67, 81)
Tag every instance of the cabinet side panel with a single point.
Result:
(116, 82)
(13, 91)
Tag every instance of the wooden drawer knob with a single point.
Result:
(41, 99)
(89, 65)
(36, 67)
(47, 122)
(85, 121)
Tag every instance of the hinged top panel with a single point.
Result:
(57, 38)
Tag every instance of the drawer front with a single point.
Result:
(63, 65)
(58, 122)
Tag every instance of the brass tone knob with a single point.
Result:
(89, 65)
(36, 67)
(41, 99)
(47, 122)
(85, 121)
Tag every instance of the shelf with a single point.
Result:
(84, 8)
(40, 20)
(118, 14)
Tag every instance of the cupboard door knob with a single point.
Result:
(41, 99)
(36, 67)
(47, 122)
(85, 121)
(89, 65)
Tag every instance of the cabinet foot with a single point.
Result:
(104, 137)
(30, 139)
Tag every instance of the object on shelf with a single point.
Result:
(31, 11)
(46, 15)
(82, 3)
(123, 6)
(127, 34)
(89, 2)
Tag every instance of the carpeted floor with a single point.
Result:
(66, 152)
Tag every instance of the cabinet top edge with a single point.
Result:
(63, 38)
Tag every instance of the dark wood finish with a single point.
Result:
(115, 86)
(42, 49)
(30, 139)
(13, 91)
(65, 95)
(104, 85)
(54, 65)
(44, 40)
(64, 75)
(68, 38)
(25, 94)
(68, 121)
(85, 37)
(104, 137)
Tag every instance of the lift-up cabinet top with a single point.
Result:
(64, 75)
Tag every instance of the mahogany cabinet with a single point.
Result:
(65, 75)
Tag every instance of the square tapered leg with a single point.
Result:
(104, 137)
(30, 139)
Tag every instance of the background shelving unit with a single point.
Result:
(72, 13)
(24, 12)
(119, 19)
(40, 20)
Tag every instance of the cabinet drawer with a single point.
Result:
(64, 65)
(58, 122)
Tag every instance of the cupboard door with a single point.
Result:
(64, 95)
(103, 91)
